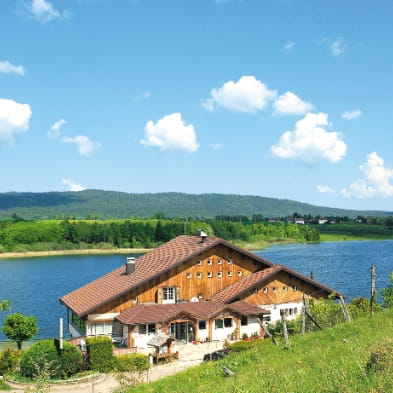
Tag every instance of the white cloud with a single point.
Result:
(55, 129)
(375, 181)
(72, 185)
(310, 141)
(85, 146)
(350, 115)
(144, 96)
(289, 47)
(44, 11)
(338, 47)
(7, 68)
(170, 133)
(246, 95)
(216, 146)
(325, 189)
(290, 104)
(14, 119)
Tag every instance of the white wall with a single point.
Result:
(275, 310)
(252, 327)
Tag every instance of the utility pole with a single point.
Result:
(373, 291)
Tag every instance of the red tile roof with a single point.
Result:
(252, 281)
(111, 286)
(161, 313)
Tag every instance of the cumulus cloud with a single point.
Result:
(14, 119)
(375, 182)
(338, 47)
(44, 11)
(289, 47)
(7, 68)
(72, 185)
(170, 133)
(290, 104)
(54, 131)
(325, 189)
(310, 141)
(85, 146)
(247, 95)
(350, 115)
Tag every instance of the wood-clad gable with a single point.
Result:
(201, 277)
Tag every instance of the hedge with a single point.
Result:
(133, 362)
(45, 354)
(100, 353)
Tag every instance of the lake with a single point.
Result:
(34, 285)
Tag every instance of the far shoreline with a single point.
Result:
(88, 251)
(256, 246)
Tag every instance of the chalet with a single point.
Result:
(193, 288)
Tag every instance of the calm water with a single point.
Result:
(34, 285)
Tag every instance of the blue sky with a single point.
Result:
(286, 98)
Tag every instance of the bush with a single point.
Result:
(62, 363)
(134, 362)
(100, 353)
(9, 361)
(240, 346)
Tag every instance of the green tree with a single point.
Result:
(5, 305)
(19, 328)
(387, 293)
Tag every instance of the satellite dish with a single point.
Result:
(194, 300)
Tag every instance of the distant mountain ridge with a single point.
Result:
(113, 204)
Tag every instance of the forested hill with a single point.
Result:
(110, 204)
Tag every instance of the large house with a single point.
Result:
(194, 288)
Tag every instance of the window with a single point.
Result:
(200, 295)
(284, 289)
(147, 329)
(255, 291)
(209, 274)
(219, 274)
(189, 275)
(199, 262)
(230, 261)
(244, 321)
(101, 328)
(295, 311)
(202, 325)
(209, 262)
(265, 290)
(168, 295)
(274, 289)
(239, 273)
(199, 275)
(294, 288)
(218, 323)
(229, 274)
(227, 322)
(219, 262)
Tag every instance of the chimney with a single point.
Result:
(130, 265)
(203, 235)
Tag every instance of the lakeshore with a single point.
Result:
(89, 251)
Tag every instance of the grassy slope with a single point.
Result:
(318, 362)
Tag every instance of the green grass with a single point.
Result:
(331, 361)
(4, 386)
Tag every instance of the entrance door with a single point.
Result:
(183, 331)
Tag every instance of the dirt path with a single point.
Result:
(189, 356)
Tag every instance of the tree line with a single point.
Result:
(73, 234)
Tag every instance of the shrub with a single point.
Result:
(134, 362)
(62, 363)
(240, 346)
(100, 353)
(9, 361)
